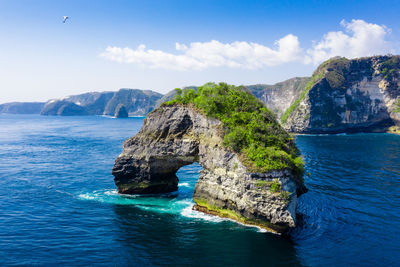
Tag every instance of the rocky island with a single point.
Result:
(252, 169)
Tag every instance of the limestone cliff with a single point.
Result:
(280, 96)
(348, 96)
(178, 135)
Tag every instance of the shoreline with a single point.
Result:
(260, 225)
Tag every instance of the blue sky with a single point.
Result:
(160, 45)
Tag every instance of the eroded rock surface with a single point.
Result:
(174, 136)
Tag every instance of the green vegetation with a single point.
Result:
(390, 68)
(275, 187)
(397, 109)
(235, 166)
(227, 213)
(262, 183)
(251, 130)
(314, 78)
(285, 195)
(222, 212)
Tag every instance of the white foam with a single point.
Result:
(111, 192)
(86, 196)
(184, 184)
(183, 207)
(107, 116)
(260, 230)
(190, 213)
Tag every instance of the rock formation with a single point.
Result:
(21, 107)
(280, 96)
(348, 96)
(120, 112)
(137, 102)
(177, 135)
(63, 108)
(277, 97)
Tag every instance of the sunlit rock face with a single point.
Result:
(174, 136)
(278, 97)
(350, 96)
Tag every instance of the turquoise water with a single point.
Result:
(58, 203)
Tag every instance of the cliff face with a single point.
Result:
(136, 102)
(63, 108)
(120, 112)
(178, 135)
(21, 107)
(280, 96)
(349, 96)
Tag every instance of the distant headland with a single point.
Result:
(343, 95)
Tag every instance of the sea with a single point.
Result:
(59, 205)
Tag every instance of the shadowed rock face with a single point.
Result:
(120, 112)
(63, 108)
(174, 136)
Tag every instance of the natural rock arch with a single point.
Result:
(174, 136)
(151, 159)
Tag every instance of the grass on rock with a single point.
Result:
(250, 129)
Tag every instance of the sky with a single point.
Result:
(161, 45)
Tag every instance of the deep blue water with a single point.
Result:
(58, 203)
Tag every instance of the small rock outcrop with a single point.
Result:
(120, 112)
(358, 95)
(178, 135)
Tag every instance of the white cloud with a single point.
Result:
(200, 56)
(359, 39)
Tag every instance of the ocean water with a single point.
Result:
(59, 205)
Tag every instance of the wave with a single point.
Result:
(184, 184)
(188, 212)
(161, 203)
(107, 116)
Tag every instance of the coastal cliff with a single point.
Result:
(233, 183)
(278, 97)
(358, 95)
(21, 107)
(135, 102)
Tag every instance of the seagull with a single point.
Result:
(65, 19)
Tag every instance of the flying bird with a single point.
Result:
(65, 19)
